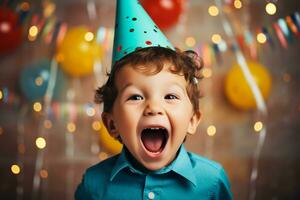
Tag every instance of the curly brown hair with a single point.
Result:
(151, 61)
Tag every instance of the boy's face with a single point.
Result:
(152, 114)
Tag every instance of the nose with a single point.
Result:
(153, 108)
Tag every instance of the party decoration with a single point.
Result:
(165, 13)
(78, 52)
(291, 25)
(34, 80)
(238, 91)
(296, 19)
(108, 143)
(10, 30)
(135, 29)
(285, 29)
(280, 35)
(268, 36)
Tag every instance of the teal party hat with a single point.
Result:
(134, 29)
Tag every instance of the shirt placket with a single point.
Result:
(151, 191)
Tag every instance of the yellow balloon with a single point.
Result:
(78, 52)
(237, 89)
(108, 143)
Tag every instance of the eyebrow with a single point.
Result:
(125, 87)
(183, 89)
(173, 84)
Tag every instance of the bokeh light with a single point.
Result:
(207, 72)
(258, 126)
(216, 38)
(15, 169)
(103, 155)
(32, 33)
(71, 127)
(213, 11)
(39, 81)
(261, 38)
(271, 8)
(96, 125)
(237, 4)
(1, 95)
(190, 41)
(25, 6)
(37, 107)
(211, 130)
(95, 148)
(89, 36)
(40, 142)
(90, 111)
(49, 8)
(47, 124)
(5, 27)
(44, 173)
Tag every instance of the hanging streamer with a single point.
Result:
(261, 106)
(91, 9)
(249, 39)
(41, 130)
(268, 36)
(285, 30)
(291, 25)
(296, 19)
(21, 150)
(280, 35)
(241, 42)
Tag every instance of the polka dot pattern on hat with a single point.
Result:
(134, 30)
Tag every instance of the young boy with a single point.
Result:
(151, 102)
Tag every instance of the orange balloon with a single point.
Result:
(108, 143)
(237, 89)
(78, 52)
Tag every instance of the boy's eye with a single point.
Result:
(171, 96)
(135, 97)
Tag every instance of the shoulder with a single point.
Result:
(98, 175)
(211, 174)
(94, 180)
(102, 169)
(200, 162)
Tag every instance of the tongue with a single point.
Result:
(152, 141)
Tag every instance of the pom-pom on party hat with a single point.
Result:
(134, 29)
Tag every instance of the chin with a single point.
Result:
(155, 165)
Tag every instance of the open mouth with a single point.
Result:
(154, 139)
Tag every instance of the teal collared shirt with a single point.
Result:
(189, 176)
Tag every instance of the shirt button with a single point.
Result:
(151, 195)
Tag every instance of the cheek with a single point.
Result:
(125, 118)
(182, 118)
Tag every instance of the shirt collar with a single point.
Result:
(120, 164)
(181, 165)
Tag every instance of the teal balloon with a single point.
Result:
(34, 80)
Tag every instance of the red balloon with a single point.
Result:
(165, 13)
(10, 30)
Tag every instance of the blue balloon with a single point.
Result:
(35, 78)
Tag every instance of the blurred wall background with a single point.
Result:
(50, 135)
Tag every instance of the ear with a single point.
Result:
(109, 123)
(194, 122)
